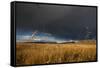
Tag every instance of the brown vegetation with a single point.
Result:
(45, 53)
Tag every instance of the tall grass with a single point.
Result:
(45, 53)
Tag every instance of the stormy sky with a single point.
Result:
(72, 22)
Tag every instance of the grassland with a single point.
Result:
(45, 53)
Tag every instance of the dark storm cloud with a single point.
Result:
(58, 20)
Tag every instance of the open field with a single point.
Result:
(45, 53)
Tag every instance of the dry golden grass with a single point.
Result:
(45, 53)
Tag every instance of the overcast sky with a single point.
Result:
(60, 21)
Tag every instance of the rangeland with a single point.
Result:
(47, 53)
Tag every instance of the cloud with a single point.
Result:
(23, 38)
(41, 37)
(62, 21)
